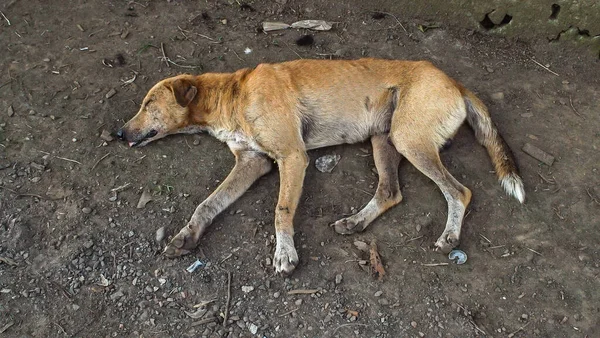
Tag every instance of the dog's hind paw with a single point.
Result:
(286, 258)
(182, 244)
(447, 242)
(348, 226)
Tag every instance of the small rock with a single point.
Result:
(88, 244)
(46, 59)
(31, 112)
(489, 69)
(106, 136)
(413, 324)
(524, 316)
(247, 288)
(110, 93)
(86, 210)
(338, 278)
(527, 115)
(298, 302)
(498, 96)
(224, 21)
(160, 234)
(325, 164)
(75, 307)
(276, 294)
(10, 111)
(117, 295)
(144, 199)
(378, 293)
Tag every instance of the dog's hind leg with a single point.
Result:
(249, 166)
(427, 160)
(388, 192)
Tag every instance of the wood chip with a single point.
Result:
(106, 136)
(110, 93)
(376, 266)
(538, 154)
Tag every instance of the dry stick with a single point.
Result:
(591, 196)
(303, 292)
(204, 321)
(228, 299)
(290, 48)
(98, 162)
(344, 325)
(575, 110)
(512, 334)
(533, 251)
(68, 159)
(398, 21)
(288, 312)
(434, 264)
(5, 18)
(236, 54)
(485, 238)
(182, 66)
(546, 68)
(162, 48)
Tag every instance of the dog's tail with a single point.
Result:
(486, 133)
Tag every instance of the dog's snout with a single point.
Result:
(121, 134)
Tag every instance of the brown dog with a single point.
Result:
(279, 111)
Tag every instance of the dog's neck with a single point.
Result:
(220, 96)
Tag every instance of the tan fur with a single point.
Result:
(282, 110)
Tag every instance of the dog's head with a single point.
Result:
(166, 110)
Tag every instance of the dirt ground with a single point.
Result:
(78, 259)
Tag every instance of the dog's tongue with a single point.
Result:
(131, 144)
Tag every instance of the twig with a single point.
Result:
(290, 48)
(117, 189)
(485, 238)
(205, 321)
(591, 196)
(345, 325)
(303, 292)
(236, 54)
(182, 66)
(512, 334)
(575, 110)
(549, 181)
(414, 239)
(162, 48)
(228, 299)
(393, 16)
(434, 264)
(7, 326)
(200, 35)
(61, 328)
(98, 162)
(68, 159)
(6, 83)
(534, 251)
(21, 195)
(137, 3)
(226, 258)
(288, 312)
(5, 18)
(541, 65)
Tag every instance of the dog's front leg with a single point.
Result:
(249, 166)
(291, 172)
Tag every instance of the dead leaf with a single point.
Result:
(376, 265)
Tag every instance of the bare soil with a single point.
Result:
(80, 260)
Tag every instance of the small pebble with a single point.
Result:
(413, 324)
(276, 294)
(378, 293)
(86, 210)
(160, 234)
(110, 93)
(338, 278)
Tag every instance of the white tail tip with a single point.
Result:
(513, 185)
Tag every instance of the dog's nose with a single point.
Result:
(121, 134)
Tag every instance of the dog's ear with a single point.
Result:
(184, 91)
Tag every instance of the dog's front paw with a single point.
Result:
(183, 243)
(286, 258)
(448, 241)
(348, 226)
